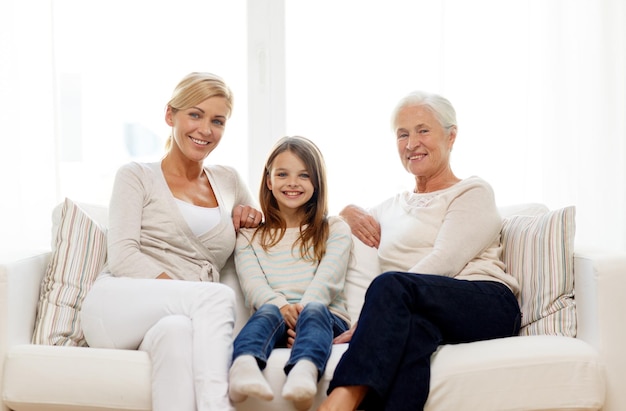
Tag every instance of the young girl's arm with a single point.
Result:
(254, 285)
(330, 275)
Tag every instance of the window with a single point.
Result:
(346, 70)
(117, 63)
(538, 87)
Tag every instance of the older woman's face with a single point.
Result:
(423, 143)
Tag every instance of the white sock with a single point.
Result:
(246, 379)
(301, 385)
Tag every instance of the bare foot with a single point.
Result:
(344, 398)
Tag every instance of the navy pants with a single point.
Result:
(266, 329)
(405, 317)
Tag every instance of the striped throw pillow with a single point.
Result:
(77, 259)
(539, 252)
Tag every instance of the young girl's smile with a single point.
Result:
(290, 183)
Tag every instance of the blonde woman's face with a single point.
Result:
(197, 131)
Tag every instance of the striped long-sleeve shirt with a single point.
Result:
(281, 276)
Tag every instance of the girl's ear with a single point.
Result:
(268, 182)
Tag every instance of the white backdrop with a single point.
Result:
(538, 86)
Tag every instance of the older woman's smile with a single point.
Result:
(417, 156)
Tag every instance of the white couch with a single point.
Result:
(519, 373)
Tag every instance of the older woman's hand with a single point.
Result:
(362, 224)
(346, 336)
(245, 216)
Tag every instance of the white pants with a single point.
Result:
(185, 326)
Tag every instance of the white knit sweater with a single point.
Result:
(280, 276)
(453, 232)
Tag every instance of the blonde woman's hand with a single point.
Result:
(245, 216)
(362, 224)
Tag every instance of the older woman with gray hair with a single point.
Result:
(443, 281)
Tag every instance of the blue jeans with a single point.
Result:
(405, 317)
(266, 329)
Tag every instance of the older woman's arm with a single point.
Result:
(471, 226)
(362, 224)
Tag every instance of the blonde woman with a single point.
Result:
(172, 226)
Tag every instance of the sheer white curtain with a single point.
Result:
(117, 62)
(27, 157)
(83, 90)
(538, 86)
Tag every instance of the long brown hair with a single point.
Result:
(314, 230)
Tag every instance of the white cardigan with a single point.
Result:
(148, 235)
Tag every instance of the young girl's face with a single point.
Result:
(290, 182)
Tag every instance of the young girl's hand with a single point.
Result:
(290, 313)
(291, 337)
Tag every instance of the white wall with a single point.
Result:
(560, 141)
(538, 86)
(27, 157)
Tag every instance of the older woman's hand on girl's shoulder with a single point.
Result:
(362, 224)
(245, 216)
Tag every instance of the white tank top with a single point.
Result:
(200, 219)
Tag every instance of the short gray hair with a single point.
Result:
(438, 105)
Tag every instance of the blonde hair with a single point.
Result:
(196, 87)
(314, 229)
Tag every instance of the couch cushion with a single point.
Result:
(78, 257)
(517, 373)
(539, 252)
(275, 376)
(362, 268)
(507, 374)
(48, 378)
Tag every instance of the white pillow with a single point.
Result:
(98, 213)
(78, 256)
(539, 252)
(362, 268)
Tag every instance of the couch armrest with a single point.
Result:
(600, 281)
(20, 280)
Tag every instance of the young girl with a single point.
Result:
(292, 271)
